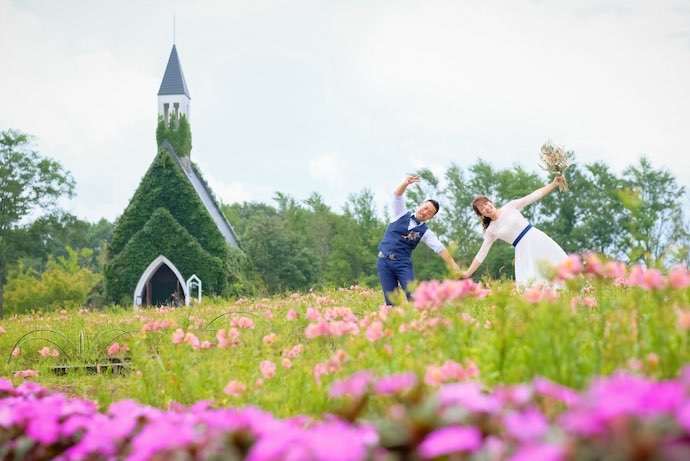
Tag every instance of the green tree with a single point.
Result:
(282, 258)
(28, 182)
(52, 233)
(355, 245)
(656, 221)
(65, 283)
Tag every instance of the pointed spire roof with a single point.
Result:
(173, 80)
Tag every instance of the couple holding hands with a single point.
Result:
(407, 228)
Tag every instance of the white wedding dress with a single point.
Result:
(534, 249)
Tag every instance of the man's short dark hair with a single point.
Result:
(435, 204)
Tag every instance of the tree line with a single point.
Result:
(636, 216)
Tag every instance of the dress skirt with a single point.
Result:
(534, 251)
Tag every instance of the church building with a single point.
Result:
(172, 241)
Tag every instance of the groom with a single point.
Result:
(403, 233)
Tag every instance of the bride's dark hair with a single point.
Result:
(478, 201)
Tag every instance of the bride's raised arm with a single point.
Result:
(538, 194)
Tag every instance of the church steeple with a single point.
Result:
(173, 95)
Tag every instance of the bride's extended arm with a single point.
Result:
(539, 193)
(481, 254)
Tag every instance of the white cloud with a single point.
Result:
(328, 168)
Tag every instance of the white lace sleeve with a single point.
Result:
(489, 240)
(521, 203)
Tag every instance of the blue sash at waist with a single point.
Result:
(522, 234)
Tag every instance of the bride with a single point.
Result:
(533, 248)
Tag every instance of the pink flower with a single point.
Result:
(234, 388)
(314, 330)
(535, 294)
(242, 323)
(178, 336)
(532, 295)
(44, 352)
(268, 369)
(679, 277)
(269, 339)
(396, 383)
(353, 386)
(192, 339)
(647, 279)
(527, 425)
(286, 363)
(683, 319)
(593, 264)
(570, 267)
(313, 315)
(25, 373)
(449, 440)
(2, 331)
(292, 314)
(294, 351)
(433, 375)
(16, 351)
(589, 301)
(554, 390)
(114, 348)
(614, 269)
(375, 331)
(549, 452)
(452, 371)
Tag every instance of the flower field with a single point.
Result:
(596, 370)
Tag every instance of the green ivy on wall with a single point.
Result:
(166, 217)
(177, 132)
(163, 235)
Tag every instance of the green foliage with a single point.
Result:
(28, 181)
(655, 223)
(177, 132)
(163, 235)
(240, 280)
(282, 259)
(51, 234)
(64, 284)
(166, 187)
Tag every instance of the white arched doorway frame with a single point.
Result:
(148, 273)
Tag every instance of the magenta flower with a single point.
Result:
(353, 386)
(396, 383)
(469, 396)
(527, 425)
(547, 452)
(449, 440)
(548, 388)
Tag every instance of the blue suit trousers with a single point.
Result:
(394, 273)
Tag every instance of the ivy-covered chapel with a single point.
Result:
(172, 239)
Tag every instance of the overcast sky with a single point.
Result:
(337, 96)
